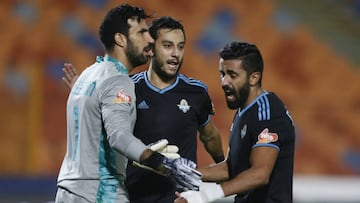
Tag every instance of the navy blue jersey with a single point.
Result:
(175, 113)
(265, 122)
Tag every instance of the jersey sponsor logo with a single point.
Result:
(243, 131)
(122, 97)
(143, 105)
(184, 106)
(266, 137)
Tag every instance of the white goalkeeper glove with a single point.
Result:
(169, 151)
(183, 173)
(208, 192)
(181, 170)
(162, 147)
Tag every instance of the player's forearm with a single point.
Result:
(120, 136)
(215, 172)
(214, 147)
(245, 181)
(210, 137)
(216, 152)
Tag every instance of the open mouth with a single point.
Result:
(173, 64)
(230, 96)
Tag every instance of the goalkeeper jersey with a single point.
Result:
(101, 116)
(174, 113)
(265, 122)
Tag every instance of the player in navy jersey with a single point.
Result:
(169, 105)
(172, 106)
(259, 165)
(177, 111)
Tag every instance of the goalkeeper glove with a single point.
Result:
(184, 174)
(208, 192)
(180, 170)
(161, 146)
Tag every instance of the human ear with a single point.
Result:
(254, 78)
(120, 39)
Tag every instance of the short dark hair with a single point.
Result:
(165, 22)
(115, 21)
(250, 55)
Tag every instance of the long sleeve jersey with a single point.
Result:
(101, 115)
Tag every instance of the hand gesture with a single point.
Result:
(70, 75)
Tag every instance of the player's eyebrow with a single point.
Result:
(171, 42)
(143, 30)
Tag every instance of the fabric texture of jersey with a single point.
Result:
(101, 116)
(174, 113)
(265, 122)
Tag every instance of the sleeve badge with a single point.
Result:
(122, 97)
(266, 137)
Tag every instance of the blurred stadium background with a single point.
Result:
(312, 61)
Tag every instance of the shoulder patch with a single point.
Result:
(122, 97)
(266, 137)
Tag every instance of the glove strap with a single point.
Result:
(154, 160)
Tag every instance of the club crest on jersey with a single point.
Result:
(122, 97)
(266, 137)
(243, 131)
(184, 106)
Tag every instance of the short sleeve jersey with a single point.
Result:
(265, 122)
(175, 113)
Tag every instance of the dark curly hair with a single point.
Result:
(115, 21)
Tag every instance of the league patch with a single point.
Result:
(122, 97)
(266, 137)
(184, 106)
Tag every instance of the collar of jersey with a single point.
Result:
(160, 91)
(119, 66)
(242, 111)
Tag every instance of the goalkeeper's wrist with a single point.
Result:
(154, 161)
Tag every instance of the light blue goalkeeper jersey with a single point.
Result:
(101, 115)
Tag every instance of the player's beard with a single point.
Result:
(134, 56)
(241, 97)
(157, 65)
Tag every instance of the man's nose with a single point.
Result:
(224, 81)
(149, 39)
(175, 52)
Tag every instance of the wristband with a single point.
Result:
(211, 191)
